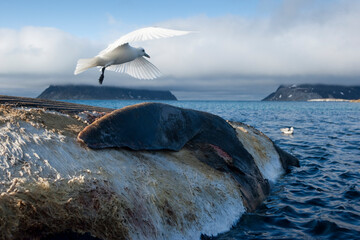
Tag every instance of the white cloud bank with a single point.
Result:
(229, 50)
(276, 46)
(39, 50)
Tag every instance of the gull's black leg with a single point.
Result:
(101, 79)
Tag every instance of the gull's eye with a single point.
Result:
(143, 50)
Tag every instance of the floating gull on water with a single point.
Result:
(121, 57)
(287, 131)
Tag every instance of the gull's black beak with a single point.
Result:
(145, 54)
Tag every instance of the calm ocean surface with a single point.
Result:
(319, 200)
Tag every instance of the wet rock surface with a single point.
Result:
(63, 107)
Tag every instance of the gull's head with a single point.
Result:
(143, 53)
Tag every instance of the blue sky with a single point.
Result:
(242, 49)
(89, 18)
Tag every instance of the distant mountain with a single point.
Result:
(305, 92)
(87, 92)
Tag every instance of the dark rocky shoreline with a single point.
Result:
(306, 92)
(88, 92)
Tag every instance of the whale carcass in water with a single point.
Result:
(194, 173)
(156, 126)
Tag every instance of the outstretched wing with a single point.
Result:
(139, 68)
(143, 34)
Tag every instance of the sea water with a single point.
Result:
(318, 200)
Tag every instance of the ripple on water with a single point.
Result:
(350, 175)
(353, 193)
(326, 228)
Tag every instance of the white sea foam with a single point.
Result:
(263, 151)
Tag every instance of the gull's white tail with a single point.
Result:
(84, 64)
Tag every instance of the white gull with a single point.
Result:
(121, 57)
(287, 131)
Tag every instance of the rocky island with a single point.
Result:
(88, 92)
(146, 171)
(314, 92)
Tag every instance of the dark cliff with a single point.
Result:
(305, 92)
(92, 92)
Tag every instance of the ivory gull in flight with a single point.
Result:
(121, 57)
